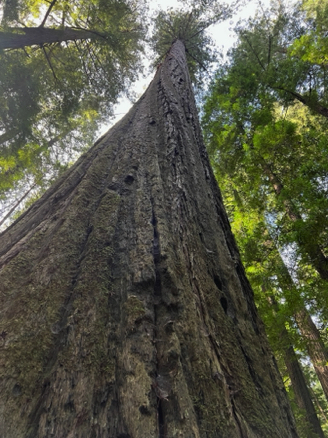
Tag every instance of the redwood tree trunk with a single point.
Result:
(302, 394)
(315, 347)
(301, 391)
(126, 312)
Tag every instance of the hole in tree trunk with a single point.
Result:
(161, 425)
(217, 282)
(129, 179)
(224, 304)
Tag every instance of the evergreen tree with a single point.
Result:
(125, 308)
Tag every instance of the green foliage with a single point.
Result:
(54, 96)
(276, 164)
(313, 46)
(189, 27)
(271, 55)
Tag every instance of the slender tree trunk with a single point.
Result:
(30, 36)
(126, 312)
(8, 135)
(318, 405)
(302, 394)
(317, 351)
(16, 204)
(301, 391)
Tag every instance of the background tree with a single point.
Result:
(78, 58)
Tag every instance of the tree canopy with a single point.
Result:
(62, 67)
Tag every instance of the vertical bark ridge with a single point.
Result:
(160, 391)
(137, 321)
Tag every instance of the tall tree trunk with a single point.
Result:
(315, 346)
(316, 349)
(125, 308)
(301, 391)
(37, 36)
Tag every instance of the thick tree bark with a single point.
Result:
(31, 36)
(125, 308)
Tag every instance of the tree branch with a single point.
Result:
(48, 60)
(47, 13)
(195, 59)
(82, 60)
(269, 51)
(256, 55)
(101, 35)
(16, 205)
(315, 106)
(19, 37)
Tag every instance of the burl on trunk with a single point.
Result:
(125, 310)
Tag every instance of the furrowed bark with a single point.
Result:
(125, 310)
